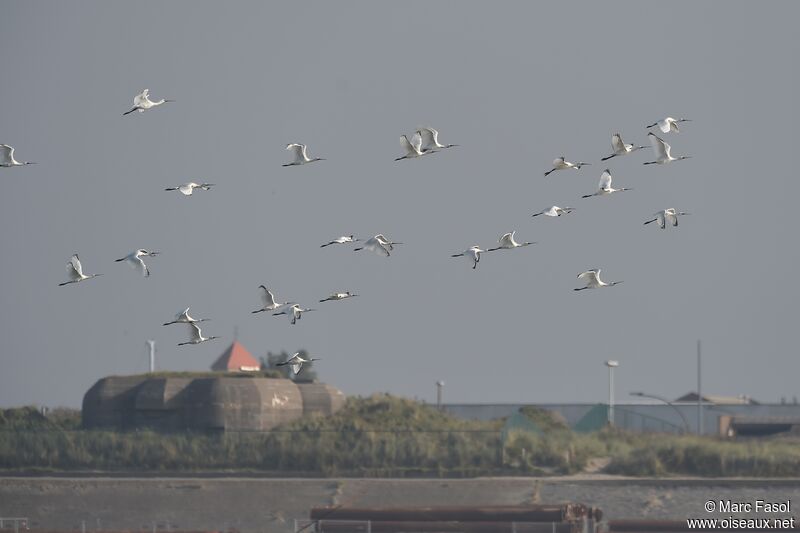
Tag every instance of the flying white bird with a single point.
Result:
(620, 148)
(430, 139)
(187, 188)
(300, 155)
(605, 186)
(75, 271)
(667, 215)
(559, 163)
(378, 244)
(413, 147)
(296, 363)
(669, 124)
(554, 211)
(294, 312)
(268, 299)
(134, 259)
(473, 253)
(195, 335)
(336, 296)
(507, 242)
(592, 279)
(182, 317)
(142, 102)
(662, 151)
(7, 158)
(340, 240)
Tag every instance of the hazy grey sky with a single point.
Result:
(515, 84)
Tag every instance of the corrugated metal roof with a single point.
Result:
(716, 399)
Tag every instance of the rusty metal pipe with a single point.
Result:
(380, 526)
(507, 513)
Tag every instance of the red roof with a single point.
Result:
(234, 358)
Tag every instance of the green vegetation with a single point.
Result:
(31, 418)
(384, 436)
(545, 420)
(377, 436)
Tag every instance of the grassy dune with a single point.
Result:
(382, 436)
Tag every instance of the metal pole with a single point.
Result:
(439, 386)
(661, 398)
(699, 392)
(152, 346)
(610, 395)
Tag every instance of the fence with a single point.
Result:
(18, 523)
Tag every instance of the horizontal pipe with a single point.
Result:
(496, 513)
(380, 526)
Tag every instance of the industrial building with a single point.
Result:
(715, 415)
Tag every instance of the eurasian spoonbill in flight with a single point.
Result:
(507, 242)
(413, 147)
(620, 148)
(183, 317)
(268, 299)
(666, 215)
(430, 139)
(340, 240)
(134, 259)
(669, 124)
(296, 363)
(473, 253)
(300, 155)
(604, 186)
(142, 102)
(294, 312)
(378, 244)
(195, 335)
(662, 151)
(188, 188)
(7, 158)
(559, 163)
(592, 279)
(336, 296)
(75, 271)
(554, 211)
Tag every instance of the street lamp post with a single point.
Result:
(653, 396)
(611, 366)
(151, 346)
(439, 386)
